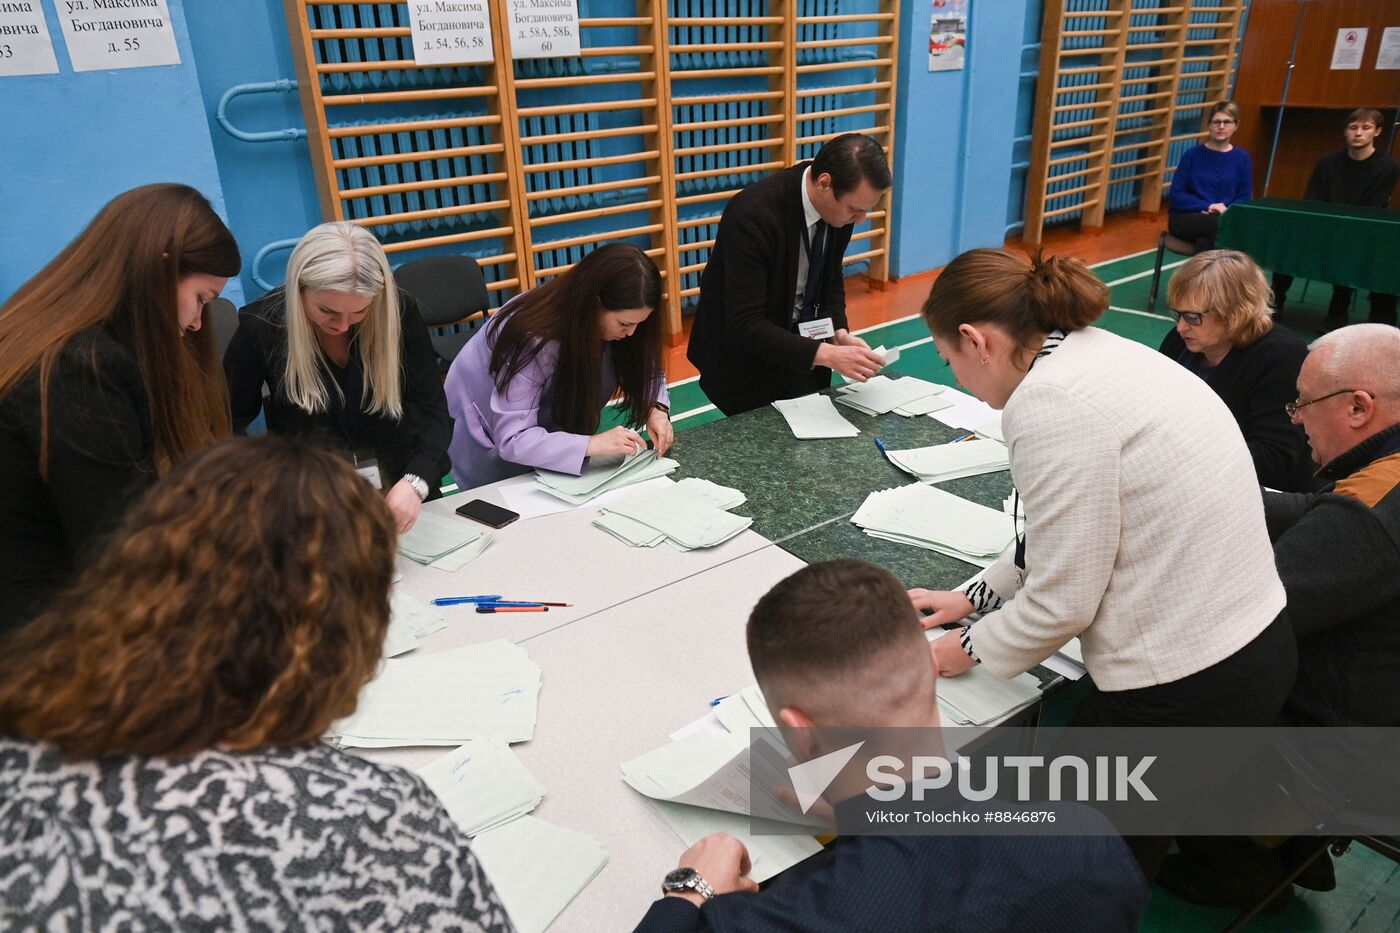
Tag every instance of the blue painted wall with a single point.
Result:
(73, 141)
(954, 134)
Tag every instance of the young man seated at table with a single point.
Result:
(838, 645)
(1357, 174)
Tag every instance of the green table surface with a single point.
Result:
(1338, 243)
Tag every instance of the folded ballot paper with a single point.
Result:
(977, 697)
(932, 518)
(482, 785)
(603, 474)
(409, 621)
(442, 541)
(485, 691)
(880, 394)
(951, 461)
(537, 868)
(690, 514)
(813, 417)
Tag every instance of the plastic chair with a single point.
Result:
(1164, 243)
(223, 320)
(451, 293)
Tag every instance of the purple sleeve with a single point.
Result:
(512, 418)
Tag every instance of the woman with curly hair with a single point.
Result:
(107, 379)
(161, 763)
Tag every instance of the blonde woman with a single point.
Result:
(1225, 334)
(348, 364)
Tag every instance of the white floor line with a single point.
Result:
(693, 412)
(1145, 274)
(1121, 258)
(1160, 317)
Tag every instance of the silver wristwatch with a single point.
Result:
(687, 879)
(419, 484)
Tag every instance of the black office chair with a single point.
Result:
(1164, 243)
(451, 293)
(223, 320)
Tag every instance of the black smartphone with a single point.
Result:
(479, 510)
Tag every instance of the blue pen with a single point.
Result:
(883, 450)
(718, 700)
(506, 602)
(458, 600)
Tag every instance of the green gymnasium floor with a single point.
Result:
(1367, 897)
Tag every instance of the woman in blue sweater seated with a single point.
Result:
(1209, 178)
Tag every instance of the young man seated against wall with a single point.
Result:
(838, 645)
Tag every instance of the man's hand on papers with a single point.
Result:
(659, 427)
(722, 861)
(856, 363)
(944, 605)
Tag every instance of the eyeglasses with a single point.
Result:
(1194, 318)
(1297, 405)
(1222, 122)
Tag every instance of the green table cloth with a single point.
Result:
(1337, 243)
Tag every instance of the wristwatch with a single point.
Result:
(687, 879)
(661, 406)
(419, 484)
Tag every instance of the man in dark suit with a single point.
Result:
(771, 323)
(839, 643)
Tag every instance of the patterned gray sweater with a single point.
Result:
(306, 838)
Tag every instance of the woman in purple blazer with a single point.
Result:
(529, 390)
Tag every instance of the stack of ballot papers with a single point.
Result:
(445, 542)
(880, 394)
(603, 474)
(951, 461)
(690, 514)
(970, 414)
(977, 696)
(813, 416)
(537, 868)
(409, 621)
(932, 518)
(482, 785)
(484, 691)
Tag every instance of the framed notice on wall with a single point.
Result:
(1351, 45)
(947, 37)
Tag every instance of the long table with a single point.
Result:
(655, 633)
(1338, 243)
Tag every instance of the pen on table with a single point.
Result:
(509, 602)
(718, 700)
(965, 437)
(492, 609)
(883, 450)
(457, 600)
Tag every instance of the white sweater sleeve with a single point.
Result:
(1065, 461)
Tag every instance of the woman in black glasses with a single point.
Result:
(1225, 334)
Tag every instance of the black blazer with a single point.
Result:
(741, 340)
(416, 444)
(1255, 382)
(101, 447)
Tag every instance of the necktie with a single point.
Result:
(816, 254)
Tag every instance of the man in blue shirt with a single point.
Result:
(839, 644)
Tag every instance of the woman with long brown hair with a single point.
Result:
(107, 379)
(180, 689)
(530, 389)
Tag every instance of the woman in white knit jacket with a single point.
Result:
(1144, 525)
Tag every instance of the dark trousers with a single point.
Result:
(1246, 689)
(1194, 227)
(1382, 305)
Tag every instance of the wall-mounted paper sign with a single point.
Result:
(451, 32)
(1351, 44)
(1388, 57)
(25, 46)
(103, 34)
(543, 28)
